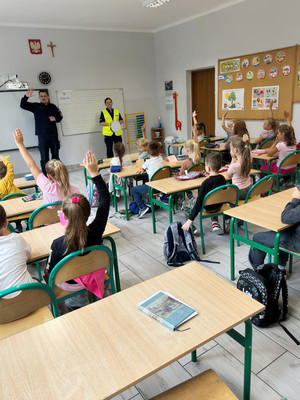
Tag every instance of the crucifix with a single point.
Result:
(51, 45)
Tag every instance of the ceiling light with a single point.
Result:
(154, 3)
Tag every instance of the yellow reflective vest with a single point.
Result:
(106, 129)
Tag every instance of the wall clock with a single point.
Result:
(44, 78)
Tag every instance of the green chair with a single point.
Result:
(222, 194)
(27, 309)
(42, 216)
(263, 186)
(19, 218)
(200, 167)
(162, 173)
(290, 159)
(81, 263)
(12, 196)
(265, 144)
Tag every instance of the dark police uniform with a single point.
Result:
(110, 138)
(45, 129)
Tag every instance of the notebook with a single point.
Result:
(167, 309)
(34, 196)
(190, 175)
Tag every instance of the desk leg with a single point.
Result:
(114, 192)
(116, 267)
(232, 261)
(276, 248)
(194, 355)
(152, 211)
(125, 198)
(170, 208)
(247, 360)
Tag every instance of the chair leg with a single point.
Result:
(246, 229)
(202, 235)
(37, 264)
(237, 231)
(153, 215)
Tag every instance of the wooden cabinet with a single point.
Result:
(159, 138)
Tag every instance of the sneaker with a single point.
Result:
(143, 211)
(195, 230)
(216, 228)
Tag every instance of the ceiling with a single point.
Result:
(113, 15)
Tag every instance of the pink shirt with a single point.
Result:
(267, 134)
(51, 190)
(283, 151)
(241, 181)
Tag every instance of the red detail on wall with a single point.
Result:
(178, 124)
(35, 46)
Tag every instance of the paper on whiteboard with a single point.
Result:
(64, 98)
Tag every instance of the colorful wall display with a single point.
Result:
(233, 99)
(261, 97)
(230, 66)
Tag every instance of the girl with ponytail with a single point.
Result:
(191, 150)
(79, 235)
(121, 159)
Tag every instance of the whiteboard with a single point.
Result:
(81, 109)
(12, 117)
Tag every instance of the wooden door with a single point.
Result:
(203, 97)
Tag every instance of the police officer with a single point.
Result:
(46, 115)
(106, 118)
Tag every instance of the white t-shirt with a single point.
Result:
(14, 253)
(152, 165)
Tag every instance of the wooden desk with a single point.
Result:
(105, 165)
(21, 183)
(171, 186)
(40, 247)
(17, 207)
(265, 212)
(108, 346)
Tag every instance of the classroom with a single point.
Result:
(123, 45)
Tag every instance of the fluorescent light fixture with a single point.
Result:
(154, 3)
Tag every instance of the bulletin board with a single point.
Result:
(81, 109)
(247, 83)
(297, 76)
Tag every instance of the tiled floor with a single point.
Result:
(276, 358)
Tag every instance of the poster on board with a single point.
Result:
(261, 97)
(233, 99)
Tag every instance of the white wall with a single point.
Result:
(251, 26)
(84, 60)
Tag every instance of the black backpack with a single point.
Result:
(265, 285)
(179, 245)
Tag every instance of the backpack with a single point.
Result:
(179, 245)
(92, 195)
(265, 285)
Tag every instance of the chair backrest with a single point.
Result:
(44, 215)
(162, 173)
(222, 194)
(197, 167)
(266, 143)
(81, 263)
(32, 297)
(264, 185)
(12, 196)
(203, 143)
(290, 159)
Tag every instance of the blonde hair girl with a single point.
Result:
(240, 167)
(56, 185)
(76, 209)
(270, 127)
(192, 151)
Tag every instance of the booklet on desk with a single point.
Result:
(167, 309)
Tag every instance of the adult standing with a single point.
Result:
(108, 116)
(46, 115)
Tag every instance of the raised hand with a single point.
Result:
(18, 137)
(90, 163)
(30, 93)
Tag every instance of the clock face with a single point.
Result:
(44, 78)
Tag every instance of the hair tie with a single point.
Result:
(55, 163)
(245, 146)
(75, 199)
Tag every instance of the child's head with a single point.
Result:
(199, 129)
(76, 209)
(240, 129)
(3, 170)
(230, 124)
(142, 145)
(286, 134)
(213, 162)
(270, 124)
(154, 148)
(3, 219)
(57, 171)
(191, 149)
(241, 149)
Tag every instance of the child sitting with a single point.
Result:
(142, 145)
(150, 166)
(120, 159)
(14, 253)
(270, 127)
(289, 238)
(191, 150)
(199, 130)
(240, 166)
(55, 186)
(213, 163)
(229, 128)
